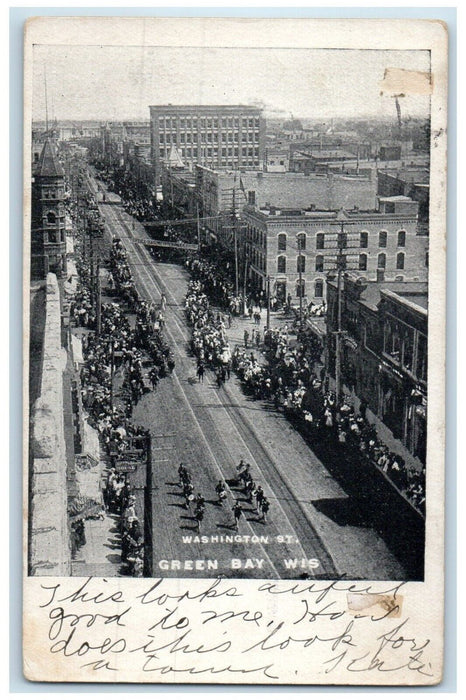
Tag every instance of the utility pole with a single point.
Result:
(268, 302)
(112, 371)
(300, 258)
(235, 233)
(198, 228)
(244, 282)
(99, 301)
(340, 266)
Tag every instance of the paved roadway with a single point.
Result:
(210, 430)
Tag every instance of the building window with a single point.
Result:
(52, 236)
(301, 263)
(281, 264)
(320, 241)
(319, 289)
(363, 239)
(381, 261)
(319, 263)
(400, 261)
(300, 288)
(342, 240)
(363, 261)
(282, 241)
(427, 259)
(401, 239)
(252, 197)
(301, 240)
(51, 218)
(392, 341)
(382, 239)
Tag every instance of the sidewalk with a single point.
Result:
(239, 324)
(100, 556)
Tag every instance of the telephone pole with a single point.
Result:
(98, 301)
(235, 234)
(268, 302)
(198, 228)
(246, 260)
(300, 258)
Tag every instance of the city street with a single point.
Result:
(210, 430)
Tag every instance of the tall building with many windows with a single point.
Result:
(218, 136)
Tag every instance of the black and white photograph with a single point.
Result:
(228, 311)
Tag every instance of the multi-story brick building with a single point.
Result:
(384, 352)
(297, 248)
(48, 243)
(219, 136)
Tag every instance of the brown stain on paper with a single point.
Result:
(401, 82)
(375, 604)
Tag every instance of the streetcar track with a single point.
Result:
(265, 457)
(215, 463)
(302, 527)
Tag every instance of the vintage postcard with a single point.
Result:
(234, 345)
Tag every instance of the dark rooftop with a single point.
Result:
(48, 164)
(415, 293)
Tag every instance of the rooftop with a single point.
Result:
(168, 107)
(413, 294)
(336, 214)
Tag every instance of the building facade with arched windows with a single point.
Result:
(298, 249)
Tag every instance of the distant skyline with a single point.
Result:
(111, 83)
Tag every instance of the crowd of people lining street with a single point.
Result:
(290, 378)
(119, 349)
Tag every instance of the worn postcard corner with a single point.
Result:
(234, 349)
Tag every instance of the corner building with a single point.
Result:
(218, 136)
(297, 249)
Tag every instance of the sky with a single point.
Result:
(109, 82)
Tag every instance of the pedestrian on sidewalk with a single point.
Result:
(246, 338)
(154, 377)
(200, 372)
